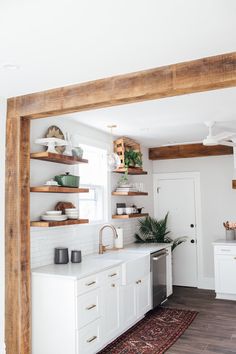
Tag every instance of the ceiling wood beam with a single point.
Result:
(188, 150)
(204, 74)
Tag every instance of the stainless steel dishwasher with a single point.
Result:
(158, 270)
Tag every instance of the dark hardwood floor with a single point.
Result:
(214, 328)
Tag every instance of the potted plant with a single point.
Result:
(155, 231)
(133, 158)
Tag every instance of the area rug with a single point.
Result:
(154, 334)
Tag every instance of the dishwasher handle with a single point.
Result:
(156, 258)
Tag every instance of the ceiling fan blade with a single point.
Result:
(224, 135)
(227, 143)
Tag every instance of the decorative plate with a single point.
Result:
(55, 132)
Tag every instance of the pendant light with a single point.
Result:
(113, 160)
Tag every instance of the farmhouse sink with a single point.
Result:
(134, 265)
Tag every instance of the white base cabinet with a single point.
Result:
(83, 316)
(225, 271)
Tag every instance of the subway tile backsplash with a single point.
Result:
(83, 237)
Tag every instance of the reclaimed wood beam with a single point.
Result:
(188, 150)
(204, 74)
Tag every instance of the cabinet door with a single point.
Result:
(128, 306)
(143, 292)
(111, 305)
(225, 267)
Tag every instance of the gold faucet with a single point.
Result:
(102, 248)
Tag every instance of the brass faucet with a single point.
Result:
(102, 248)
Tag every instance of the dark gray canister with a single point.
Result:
(61, 255)
(76, 256)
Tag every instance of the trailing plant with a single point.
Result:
(153, 230)
(133, 158)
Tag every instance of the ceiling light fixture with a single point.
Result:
(113, 160)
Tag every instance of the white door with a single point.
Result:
(177, 196)
(225, 274)
(128, 305)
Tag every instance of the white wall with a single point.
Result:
(2, 201)
(84, 237)
(217, 197)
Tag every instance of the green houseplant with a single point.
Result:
(133, 158)
(153, 230)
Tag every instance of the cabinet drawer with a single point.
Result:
(88, 308)
(88, 338)
(225, 250)
(111, 274)
(86, 284)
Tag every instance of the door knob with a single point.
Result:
(192, 225)
(192, 241)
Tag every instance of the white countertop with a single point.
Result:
(146, 247)
(96, 263)
(225, 242)
(90, 265)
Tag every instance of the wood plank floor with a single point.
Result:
(214, 328)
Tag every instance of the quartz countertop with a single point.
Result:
(222, 242)
(146, 247)
(90, 265)
(95, 263)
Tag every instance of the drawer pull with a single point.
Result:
(112, 275)
(89, 284)
(138, 281)
(91, 339)
(113, 285)
(90, 307)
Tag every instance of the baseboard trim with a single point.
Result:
(206, 283)
(223, 296)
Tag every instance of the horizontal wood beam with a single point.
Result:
(188, 150)
(177, 79)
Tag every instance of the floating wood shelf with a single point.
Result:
(130, 216)
(42, 223)
(131, 194)
(234, 183)
(131, 171)
(58, 158)
(57, 189)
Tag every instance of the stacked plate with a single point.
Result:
(54, 215)
(72, 213)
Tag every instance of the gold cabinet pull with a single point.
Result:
(91, 339)
(112, 275)
(90, 307)
(89, 284)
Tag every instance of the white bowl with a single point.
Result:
(54, 217)
(76, 217)
(71, 210)
(54, 212)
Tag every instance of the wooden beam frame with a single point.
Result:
(178, 79)
(188, 150)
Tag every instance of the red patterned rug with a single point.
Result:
(154, 334)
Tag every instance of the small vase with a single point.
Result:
(230, 235)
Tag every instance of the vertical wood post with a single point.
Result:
(17, 243)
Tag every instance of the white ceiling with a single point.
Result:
(60, 42)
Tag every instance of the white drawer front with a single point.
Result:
(87, 284)
(88, 338)
(88, 308)
(111, 275)
(224, 250)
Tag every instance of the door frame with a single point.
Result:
(198, 211)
